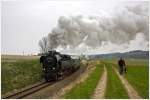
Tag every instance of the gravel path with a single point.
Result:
(99, 92)
(132, 93)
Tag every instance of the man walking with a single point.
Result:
(122, 67)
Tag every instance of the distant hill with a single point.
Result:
(137, 54)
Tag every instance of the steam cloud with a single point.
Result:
(122, 27)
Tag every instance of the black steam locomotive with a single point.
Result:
(56, 65)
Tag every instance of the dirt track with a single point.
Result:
(99, 92)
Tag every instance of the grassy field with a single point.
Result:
(115, 89)
(85, 90)
(18, 72)
(137, 74)
(21, 71)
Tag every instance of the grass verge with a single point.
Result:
(19, 73)
(85, 89)
(115, 89)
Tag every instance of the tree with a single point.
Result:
(43, 43)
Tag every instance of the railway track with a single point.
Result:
(34, 88)
(28, 91)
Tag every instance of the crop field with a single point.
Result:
(18, 72)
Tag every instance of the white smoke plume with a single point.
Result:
(91, 32)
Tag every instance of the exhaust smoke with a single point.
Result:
(91, 32)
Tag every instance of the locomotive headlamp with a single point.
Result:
(53, 68)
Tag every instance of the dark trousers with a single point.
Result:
(125, 69)
(121, 70)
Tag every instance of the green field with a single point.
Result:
(18, 72)
(115, 89)
(85, 90)
(137, 74)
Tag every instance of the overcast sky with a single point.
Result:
(24, 23)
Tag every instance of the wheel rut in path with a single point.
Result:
(99, 92)
(132, 93)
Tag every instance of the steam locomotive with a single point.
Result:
(55, 65)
